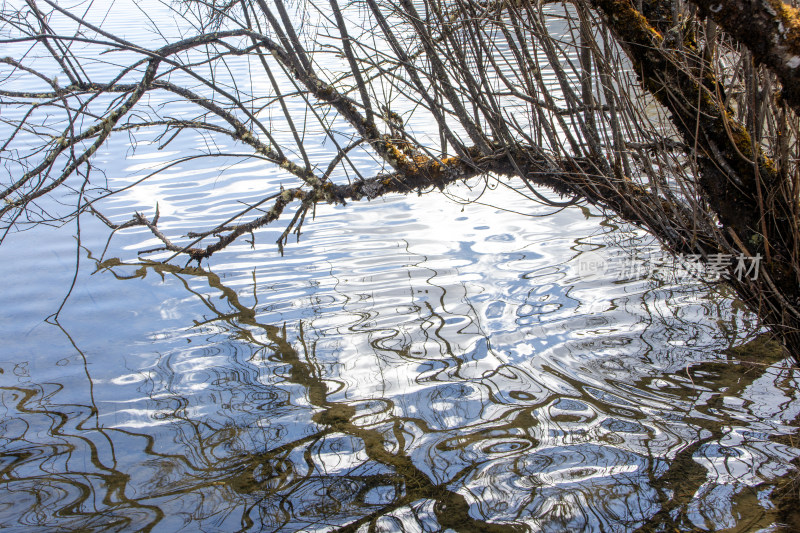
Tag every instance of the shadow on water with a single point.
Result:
(310, 458)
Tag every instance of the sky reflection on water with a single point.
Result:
(412, 364)
(385, 377)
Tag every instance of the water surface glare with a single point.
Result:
(413, 364)
(388, 379)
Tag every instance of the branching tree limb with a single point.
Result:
(643, 108)
(770, 29)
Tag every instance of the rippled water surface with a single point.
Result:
(406, 365)
(411, 364)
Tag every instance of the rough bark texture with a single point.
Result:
(771, 31)
(740, 183)
(476, 70)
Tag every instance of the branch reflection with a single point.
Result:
(373, 425)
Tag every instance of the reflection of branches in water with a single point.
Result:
(306, 453)
(357, 450)
(280, 483)
(41, 471)
(672, 307)
(684, 478)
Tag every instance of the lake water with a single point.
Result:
(413, 363)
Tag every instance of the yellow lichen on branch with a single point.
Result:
(789, 16)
